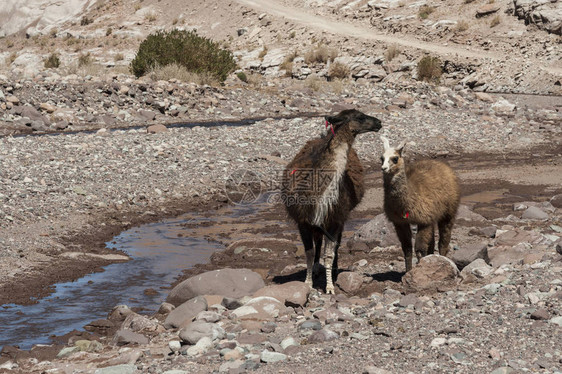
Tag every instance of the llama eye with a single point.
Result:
(395, 160)
(382, 159)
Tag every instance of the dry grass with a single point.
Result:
(495, 21)
(263, 52)
(318, 84)
(462, 25)
(52, 62)
(338, 70)
(287, 64)
(84, 60)
(320, 54)
(392, 52)
(150, 16)
(179, 72)
(429, 69)
(119, 57)
(425, 11)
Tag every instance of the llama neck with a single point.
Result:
(397, 187)
(333, 172)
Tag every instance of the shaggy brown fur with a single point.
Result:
(424, 193)
(321, 186)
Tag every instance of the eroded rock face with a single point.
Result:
(546, 15)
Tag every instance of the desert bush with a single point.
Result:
(314, 83)
(425, 11)
(392, 52)
(429, 68)
(119, 57)
(338, 70)
(85, 21)
(197, 54)
(462, 25)
(242, 76)
(320, 54)
(84, 60)
(292, 35)
(108, 31)
(468, 1)
(495, 21)
(52, 61)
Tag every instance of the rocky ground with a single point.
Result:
(79, 164)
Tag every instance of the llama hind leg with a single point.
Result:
(317, 250)
(306, 236)
(431, 245)
(424, 237)
(405, 236)
(445, 231)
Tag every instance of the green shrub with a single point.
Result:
(197, 54)
(242, 76)
(85, 21)
(52, 61)
(429, 68)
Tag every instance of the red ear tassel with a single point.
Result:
(331, 127)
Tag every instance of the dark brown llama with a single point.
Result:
(322, 184)
(425, 193)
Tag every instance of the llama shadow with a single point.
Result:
(392, 276)
(300, 276)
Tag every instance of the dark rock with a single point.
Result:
(323, 335)
(124, 337)
(540, 314)
(185, 313)
(468, 253)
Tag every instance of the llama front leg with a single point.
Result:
(423, 238)
(306, 236)
(329, 256)
(445, 231)
(318, 235)
(405, 236)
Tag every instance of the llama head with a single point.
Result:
(391, 158)
(356, 121)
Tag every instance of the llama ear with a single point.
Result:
(385, 143)
(334, 120)
(400, 147)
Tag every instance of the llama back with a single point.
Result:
(436, 190)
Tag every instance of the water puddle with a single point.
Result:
(484, 197)
(159, 252)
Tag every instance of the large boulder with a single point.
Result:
(350, 282)
(184, 314)
(377, 232)
(291, 293)
(226, 282)
(432, 273)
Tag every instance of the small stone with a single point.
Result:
(155, 129)
(289, 341)
(117, 369)
(47, 107)
(540, 314)
(268, 327)
(67, 351)
(556, 320)
(437, 342)
(375, 370)
(533, 212)
(322, 336)
(350, 282)
(503, 370)
(174, 345)
(269, 357)
(123, 337)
